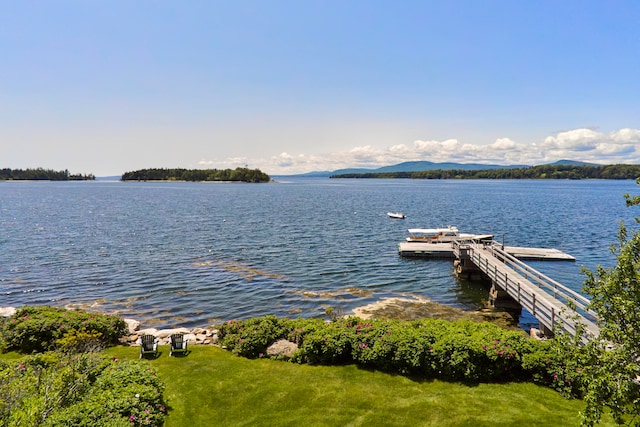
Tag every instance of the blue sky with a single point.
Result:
(106, 87)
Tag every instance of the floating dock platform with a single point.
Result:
(538, 254)
(426, 250)
(445, 250)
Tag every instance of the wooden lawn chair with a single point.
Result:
(178, 344)
(148, 345)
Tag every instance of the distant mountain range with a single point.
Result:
(426, 165)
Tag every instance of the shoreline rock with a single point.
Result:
(7, 311)
(282, 349)
(197, 336)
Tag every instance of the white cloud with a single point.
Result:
(284, 160)
(398, 149)
(504, 144)
(621, 146)
(574, 140)
(626, 135)
(589, 145)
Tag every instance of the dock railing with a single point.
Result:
(552, 303)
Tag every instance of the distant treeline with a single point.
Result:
(237, 174)
(534, 172)
(40, 174)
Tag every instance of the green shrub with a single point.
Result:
(328, 343)
(557, 365)
(55, 389)
(250, 338)
(453, 351)
(80, 342)
(37, 329)
(128, 392)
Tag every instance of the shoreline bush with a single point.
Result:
(464, 351)
(38, 329)
(54, 389)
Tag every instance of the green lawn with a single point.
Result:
(211, 386)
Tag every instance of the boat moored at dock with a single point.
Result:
(443, 235)
(439, 242)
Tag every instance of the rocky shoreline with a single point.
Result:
(200, 336)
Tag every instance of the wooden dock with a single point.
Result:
(445, 250)
(538, 254)
(553, 304)
(425, 250)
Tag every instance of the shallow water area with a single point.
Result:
(192, 254)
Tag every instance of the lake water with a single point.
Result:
(191, 254)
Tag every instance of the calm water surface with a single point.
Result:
(191, 254)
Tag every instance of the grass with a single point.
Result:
(211, 386)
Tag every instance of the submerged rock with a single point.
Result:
(416, 307)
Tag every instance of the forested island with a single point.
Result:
(533, 172)
(193, 175)
(41, 174)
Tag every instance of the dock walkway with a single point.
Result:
(445, 250)
(550, 302)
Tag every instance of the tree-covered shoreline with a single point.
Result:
(40, 174)
(535, 172)
(195, 175)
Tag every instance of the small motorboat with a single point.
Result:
(396, 215)
(443, 235)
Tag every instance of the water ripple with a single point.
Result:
(193, 254)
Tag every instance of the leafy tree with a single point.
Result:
(534, 172)
(40, 174)
(613, 368)
(195, 175)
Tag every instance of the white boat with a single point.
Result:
(442, 235)
(397, 215)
